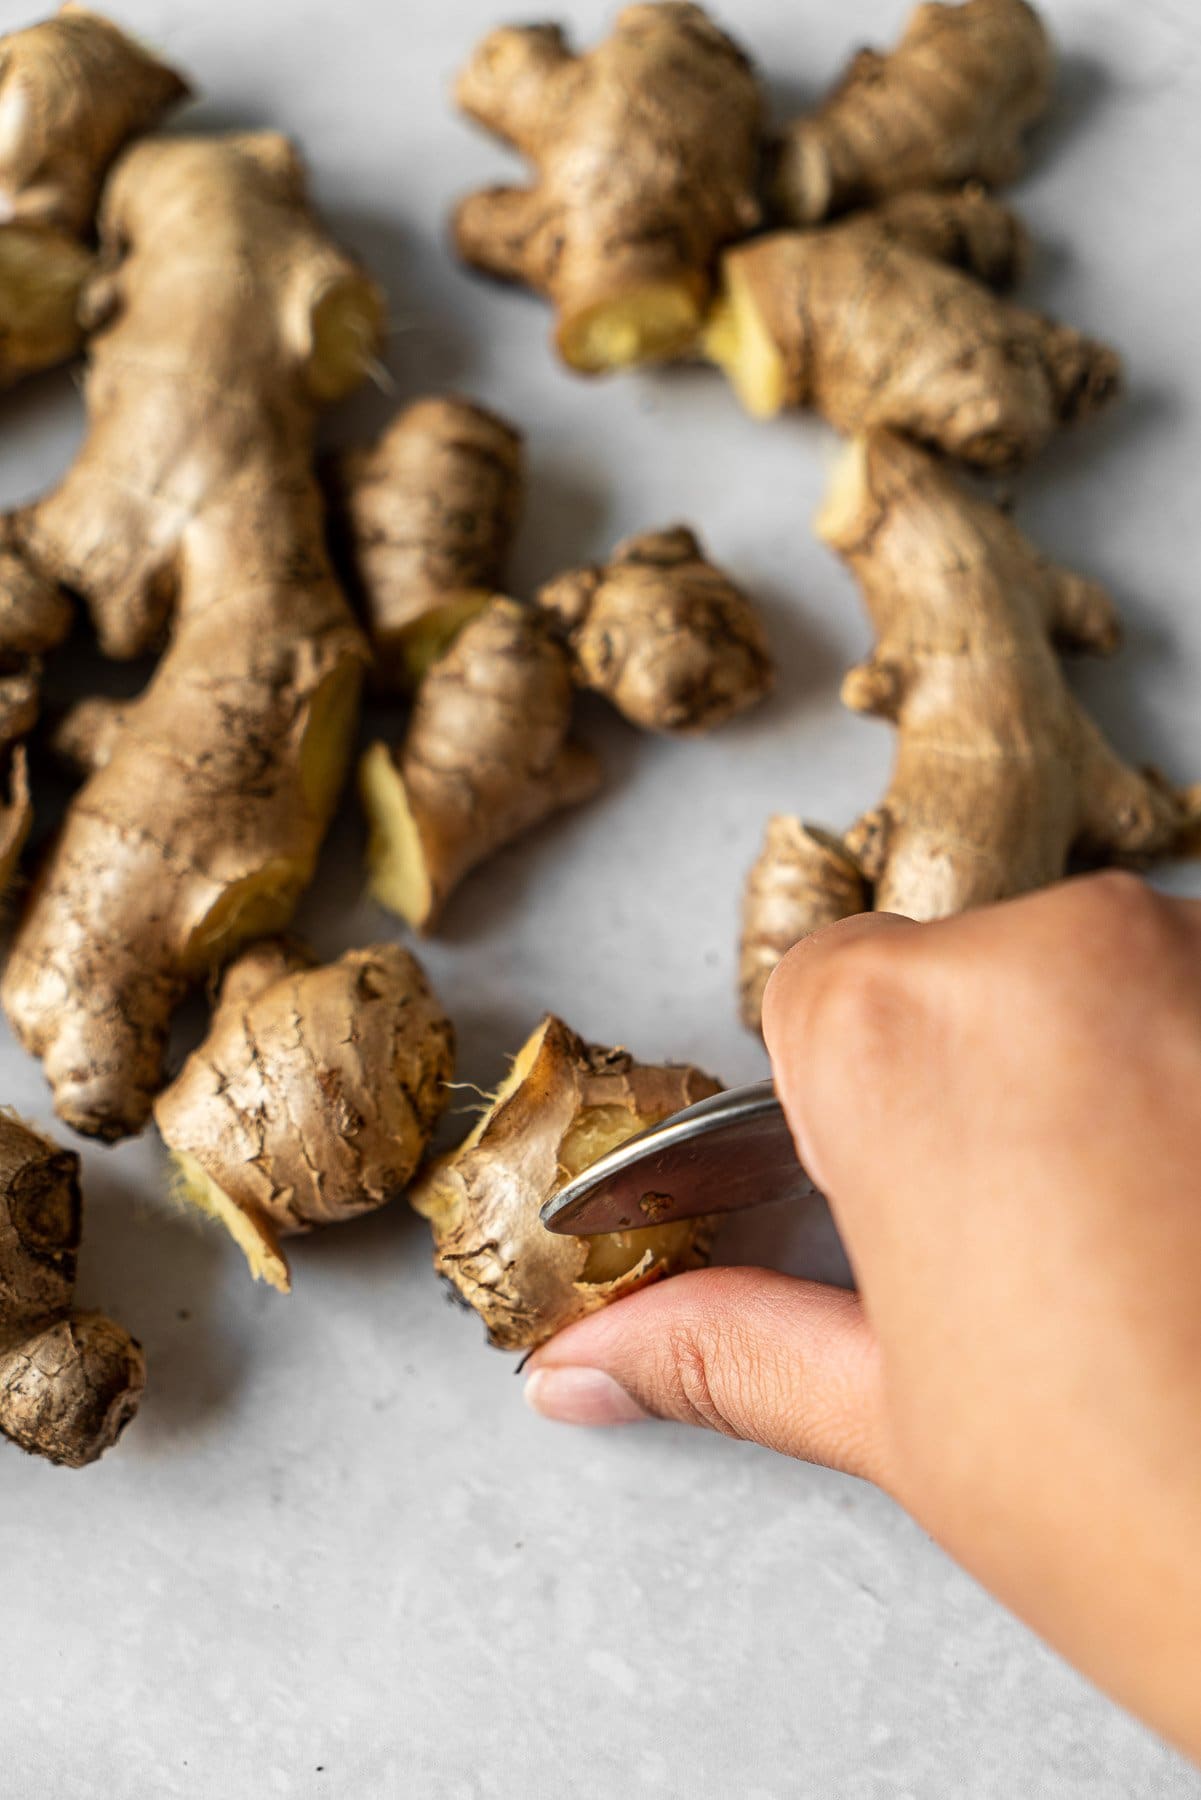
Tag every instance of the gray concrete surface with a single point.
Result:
(335, 1556)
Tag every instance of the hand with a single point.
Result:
(1004, 1110)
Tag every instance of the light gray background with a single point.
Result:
(335, 1555)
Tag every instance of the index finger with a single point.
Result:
(835, 1011)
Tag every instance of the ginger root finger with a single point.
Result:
(802, 878)
(42, 276)
(662, 633)
(487, 756)
(35, 616)
(1000, 779)
(69, 1381)
(965, 228)
(313, 1097)
(850, 321)
(564, 1104)
(73, 90)
(424, 518)
(953, 102)
(647, 151)
(16, 816)
(195, 371)
(199, 828)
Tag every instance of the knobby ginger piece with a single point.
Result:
(35, 616)
(564, 1105)
(953, 102)
(487, 756)
(662, 633)
(862, 323)
(424, 518)
(647, 151)
(231, 319)
(1000, 778)
(70, 1381)
(313, 1097)
(73, 90)
(965, 228)
(42, 276)
(803, 878)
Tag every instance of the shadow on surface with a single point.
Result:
(807, 659)
(424, 351)
(1083, 84)
(159, 1274)
(561, 516)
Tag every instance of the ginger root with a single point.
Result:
(34, 617)
(877, 321)
(1000, 778)
(951, 103)
(70, 1381)
(564, 1105)
(964, 228)
(423, 518)
(487, 756)
(313, 1097)
(647, 153)
(802, 878)
(662, 634)
(231, 318)
(862, 323)
(73, 90)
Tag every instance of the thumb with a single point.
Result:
(748, 1352)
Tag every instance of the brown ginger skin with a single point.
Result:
(423, 519)
(35, 616)
(487, 756)
(965, 228)
(662, 633)
(313, 1097)
(803, 878)
(73, 90)
(953, 102)
(861, 322)
(200, 823)
(564, 1104)
(647, 151)
(1000, 778)
(70, 1381)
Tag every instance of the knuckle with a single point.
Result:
(695, 1349)
(1122, 909)
(857, 1006)
(1120, 892)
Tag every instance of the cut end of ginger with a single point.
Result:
(564, 1104)
(839, 518)
(329, 734)
(253, 1236)
(397, 873)
(258, 906)
(651, 324)
(737, 340)
(347, 326)
(413, 651)
(614, 1254)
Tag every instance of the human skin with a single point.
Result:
(1002, 1109)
